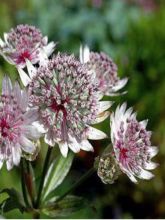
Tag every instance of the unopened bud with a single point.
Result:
(107, 168)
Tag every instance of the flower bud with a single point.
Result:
(107, 168)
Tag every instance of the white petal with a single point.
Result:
(1, 43)
(49, 48)
(17, 92)
(6, 86)
(31, 69)
(113, 127)
(16, 151)
(31, 132)
(111, 93)
(150, 166)
(128, 113)
(6, 38)
(9, 164)
(43, 58)
(120, 84)
(27, 145)
(145, 175)
(100, 95)
(119, 116)
(45, 40)
(74, 145)
(84, 54)
(153, 151)
(132, 178)
(81, 54)
(101, 117)
(24, 77)
(24, 100)
(74, 148)
(49, 139)
(104, 105)
(133, 115)
(144, 123)
(95, 134)
(63, 148)
(85, 145)
(1, 164)
(30, 116)
(39, 126)
(122, 108)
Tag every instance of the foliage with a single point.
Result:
(58, 170)
(13, 201)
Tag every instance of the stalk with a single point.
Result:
(45, 168)
(23, 184)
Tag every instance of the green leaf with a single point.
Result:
(65, 207)
(13, 201)
(57, 172)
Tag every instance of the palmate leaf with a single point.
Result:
(14, 201)
(57, 172)
(64, 207)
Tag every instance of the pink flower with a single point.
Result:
(68, 104)
(17, 131)
(24, 43)
(131, 143)
(105, 71)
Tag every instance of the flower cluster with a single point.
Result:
(68, 103)
(131, 143)
(24, 43)
(62, 102)
(17, 132)
(105, 71)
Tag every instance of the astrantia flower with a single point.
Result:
(68, 104)
(131, 143)
(104, 69)
(17, 132)
(23, 43)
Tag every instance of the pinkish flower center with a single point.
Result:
(4, 126)
(123, 154)
(59, 107)
(55, 107)
(23, 56)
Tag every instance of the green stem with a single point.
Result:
(45, 168)
(76, 184)
(23, 184)
(29, 182)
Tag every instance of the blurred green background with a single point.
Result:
(132, 32)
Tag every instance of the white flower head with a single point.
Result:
(104, 70)
(24, 44)
(68, 103)
(17, 131)
(131, 143)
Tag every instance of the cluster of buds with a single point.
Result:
(62, 102)
(107, 167)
